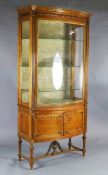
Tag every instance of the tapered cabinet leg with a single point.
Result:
(31, 161)
(70, 143)
(84, 144)
(19, 148)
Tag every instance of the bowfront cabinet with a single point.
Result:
(52, 77)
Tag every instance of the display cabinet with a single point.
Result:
(52, 78)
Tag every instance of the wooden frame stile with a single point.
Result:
(71, 119)
(84, 91)
(19, 57)
(33, 58)
(31, 84)
(19, 48)
(33, 87)
(21, 111)
(86, 85)
(36, 46)
(19, 91)
(85, 81)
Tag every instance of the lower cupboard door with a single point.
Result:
(47, 125)
(73, 123)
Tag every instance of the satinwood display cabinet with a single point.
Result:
(53, 48)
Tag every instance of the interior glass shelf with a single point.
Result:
(25, 38)
(24, 89)
(58, 101)
(49, 65)
(44, 38)
(54, 90)
(25, 65)
(66, 39)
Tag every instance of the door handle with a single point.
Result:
(66, 132)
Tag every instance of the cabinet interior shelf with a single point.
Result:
(25, 65)
(65, 39)
(63, 66)
(51, 66)
(56, 90)
(50, 90)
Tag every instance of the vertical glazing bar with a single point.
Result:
(19, 57)
(33, 60)
(30, 63)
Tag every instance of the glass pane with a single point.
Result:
(25, 61)
(60, 66)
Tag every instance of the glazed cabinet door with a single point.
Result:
(59, 63)
(47, 125)
(73, 123)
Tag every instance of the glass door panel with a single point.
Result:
(25, 61)
(60, 63)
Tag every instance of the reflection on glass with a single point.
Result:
(57, 71)
(60, 63)
(81, 76)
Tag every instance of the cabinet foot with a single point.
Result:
(19, 148)
(84, 144)
(31, 160)
(70, 143)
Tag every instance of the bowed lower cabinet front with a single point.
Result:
(52, 78)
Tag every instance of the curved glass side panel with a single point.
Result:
(25, 61)
(59, 63)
